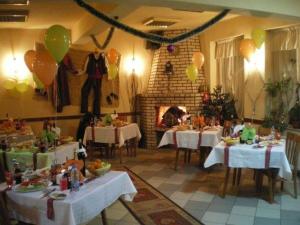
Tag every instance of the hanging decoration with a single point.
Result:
(258, 35)
(112, 71)
(192, 72)
(45, 67)
(171, 48)
(29, 58)
(150, 36)
(198, 59)
(57, 41)
(247, 48)
(107, 39)
(112, 56)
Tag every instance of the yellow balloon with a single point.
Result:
(112, 71)
(9, 84)
(191, 72)
(22, 86)
(258, 36)
(247, 48)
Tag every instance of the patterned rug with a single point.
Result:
(151, 207)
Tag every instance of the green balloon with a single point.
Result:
(57, 41)
(38, 83)
(112, 71)
(192, 72)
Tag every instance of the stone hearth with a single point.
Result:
(175, 90)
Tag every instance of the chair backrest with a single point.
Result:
(292, 148)
(263, 131)
(227, 128)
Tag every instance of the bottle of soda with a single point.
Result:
(75, 184)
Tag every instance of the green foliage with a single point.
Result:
(294, 113)
(220, 105)
(48, 136)
(107, 120)
(270, 121)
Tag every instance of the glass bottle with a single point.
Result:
(74, 179)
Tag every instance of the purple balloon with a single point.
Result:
(171, 48)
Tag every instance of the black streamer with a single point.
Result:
(149, 36)
(107, 40)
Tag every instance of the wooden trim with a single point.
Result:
(254, 121)
(71, 117)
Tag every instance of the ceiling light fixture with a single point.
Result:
(159, 22)
(14, 2)
(13, 15)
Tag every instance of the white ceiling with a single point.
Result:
(186, 19)
(44, 13)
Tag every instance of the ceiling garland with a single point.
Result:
(107, 40)
(149, 36)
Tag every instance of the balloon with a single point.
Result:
(57, 41)
(191, 72)
(171, 48)
(29, 59)
(9, 84)
(22, 86)
(112, 71)
(258, 36)
(45, 67)
(247, 48)
(112, 56)
(38, 83)
(198, 59)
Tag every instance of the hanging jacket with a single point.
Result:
(96, 68)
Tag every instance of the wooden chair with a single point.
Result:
(227, 128)
(292, 152)
(263, 131)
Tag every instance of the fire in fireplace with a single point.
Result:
(168, 116)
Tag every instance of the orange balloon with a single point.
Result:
(247, 48)
(198, 59)
(29, 59)
(45, 67)
(112, 56)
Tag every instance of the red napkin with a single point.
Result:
(50, 209)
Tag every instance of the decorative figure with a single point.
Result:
(95, 69)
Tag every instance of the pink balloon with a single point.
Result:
(198, 59)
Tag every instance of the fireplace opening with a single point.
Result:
(168, 116)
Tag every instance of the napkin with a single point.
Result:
(50, 209)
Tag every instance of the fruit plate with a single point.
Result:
(30, 188)
(101, 171)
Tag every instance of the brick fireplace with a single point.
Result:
(175, 90)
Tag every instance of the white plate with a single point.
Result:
(58, 195)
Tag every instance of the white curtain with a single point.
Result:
(282, 59)
(230, 70)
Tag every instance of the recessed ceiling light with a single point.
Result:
(14, 2)
(159, 22)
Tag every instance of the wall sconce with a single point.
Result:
(169, 68)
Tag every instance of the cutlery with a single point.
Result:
(48, 193)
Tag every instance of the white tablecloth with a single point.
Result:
(189, 138)
(79, 207)
(107, 134)
(245, 156)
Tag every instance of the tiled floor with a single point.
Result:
(197, 191)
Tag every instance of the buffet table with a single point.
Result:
(112, 135)
(191, 139)
(78, 207)
(28, 158)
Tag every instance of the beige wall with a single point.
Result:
(28, 105)
(231, 28)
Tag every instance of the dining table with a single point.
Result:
(191, 139)
(253, 156)
(112, 135)
(78, 207)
